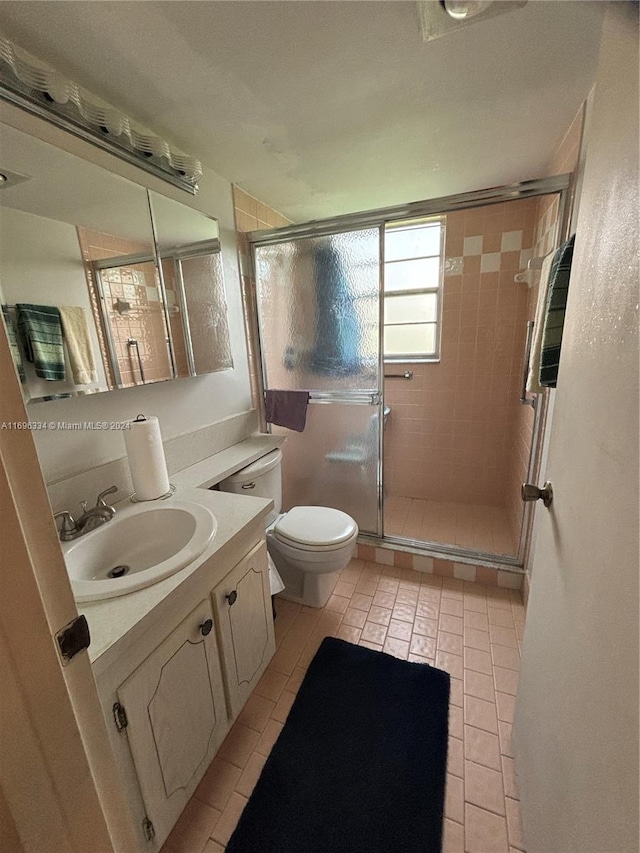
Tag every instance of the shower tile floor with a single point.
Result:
(471, 630)
(473, 526)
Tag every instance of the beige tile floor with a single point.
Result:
(472, 631)
(475, 526)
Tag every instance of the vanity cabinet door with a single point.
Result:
(176, 717)
(245, 624)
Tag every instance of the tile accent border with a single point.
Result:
(506, 577)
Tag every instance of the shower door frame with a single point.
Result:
(562, 185)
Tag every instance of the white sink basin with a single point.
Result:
(143, 544)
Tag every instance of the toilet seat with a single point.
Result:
(315, 528)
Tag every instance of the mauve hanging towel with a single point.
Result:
(287, 408)
(554, 320)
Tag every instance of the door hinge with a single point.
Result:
(73, 638)
(148, 829)
(120, 716)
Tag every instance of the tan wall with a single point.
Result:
(450, 427)
(575, 731)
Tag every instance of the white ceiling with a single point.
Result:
(321, 108)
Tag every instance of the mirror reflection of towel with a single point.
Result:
(79, 350)
(13, 342)
(287, 408)
(40, 333)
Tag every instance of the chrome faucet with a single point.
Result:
(91, 518)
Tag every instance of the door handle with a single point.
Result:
(232, 597)
(531, 492)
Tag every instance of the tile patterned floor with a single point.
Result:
(479, 527)
(472, 631)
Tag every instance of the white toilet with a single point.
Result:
(309, 544)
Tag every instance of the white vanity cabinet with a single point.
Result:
(172, 689)
(244, 619)
(173, 710)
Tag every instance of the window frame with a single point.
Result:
(422, 358)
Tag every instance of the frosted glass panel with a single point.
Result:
(319, 312)
(421, 308)
(207, 312)
(417, 242)
(334, 461)
(410, 340)
(412, 275)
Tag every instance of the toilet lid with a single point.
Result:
(316, 526)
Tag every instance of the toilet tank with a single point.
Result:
(262, 479)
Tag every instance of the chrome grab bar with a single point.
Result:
(527, 401)
(132, 342)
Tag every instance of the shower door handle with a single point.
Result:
(531, 492)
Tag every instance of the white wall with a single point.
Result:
(42, 263)
(575, 731)
(181, 405)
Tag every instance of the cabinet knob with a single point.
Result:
(206, 627)
(232, 597)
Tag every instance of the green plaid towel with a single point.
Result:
(10, 326)
(40, 333)
(554, 319)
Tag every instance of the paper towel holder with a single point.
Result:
(172, 489)
(136, 500)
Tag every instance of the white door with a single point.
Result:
(576, 723)
(176, 717)
(245, 622)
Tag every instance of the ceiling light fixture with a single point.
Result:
(28, 83)
(441, 17)
(460, 10)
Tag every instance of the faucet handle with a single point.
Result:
(100, 500)
(68, 525)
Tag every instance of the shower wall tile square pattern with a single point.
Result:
(472, 631)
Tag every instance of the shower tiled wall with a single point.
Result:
(252, 215)
(450, 427)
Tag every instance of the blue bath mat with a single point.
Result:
(360, 764)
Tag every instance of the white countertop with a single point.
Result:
(215, 468)
(110, 619)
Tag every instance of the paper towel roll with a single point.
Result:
(146, 458)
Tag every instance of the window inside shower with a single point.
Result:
(413, 256)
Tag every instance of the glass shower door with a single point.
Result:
(319, 318)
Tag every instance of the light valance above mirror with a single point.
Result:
(39, 89)
(76, 236)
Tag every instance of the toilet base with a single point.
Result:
(312, 589)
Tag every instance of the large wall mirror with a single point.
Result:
(89, 301)
(191, 265)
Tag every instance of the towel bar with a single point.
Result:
(408, 374)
